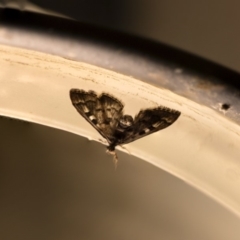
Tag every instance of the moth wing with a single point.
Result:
(100, 112)
(113, 110)
(149, 121)
(89, 106)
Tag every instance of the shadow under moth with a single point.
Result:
(105, 114)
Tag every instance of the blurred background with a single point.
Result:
(209, 29)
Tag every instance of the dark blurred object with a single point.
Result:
(207, 28)
(190, 76)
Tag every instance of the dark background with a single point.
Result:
(209, 29)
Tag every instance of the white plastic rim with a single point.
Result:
(201, 147)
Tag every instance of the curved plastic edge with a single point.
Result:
(201, 147)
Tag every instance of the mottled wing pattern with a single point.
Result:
(87, 105)
(101, 112)
(113, 110)
(149, 121)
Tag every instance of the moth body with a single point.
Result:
(105, 114)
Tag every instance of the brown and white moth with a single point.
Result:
(105, 114)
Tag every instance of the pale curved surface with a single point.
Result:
(201, 148)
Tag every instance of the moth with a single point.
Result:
(105, 114)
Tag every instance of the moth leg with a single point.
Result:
(115, 157)
(125, 148)
(103, 141)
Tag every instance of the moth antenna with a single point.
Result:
(115, 157)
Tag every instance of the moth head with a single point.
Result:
(126, 121)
